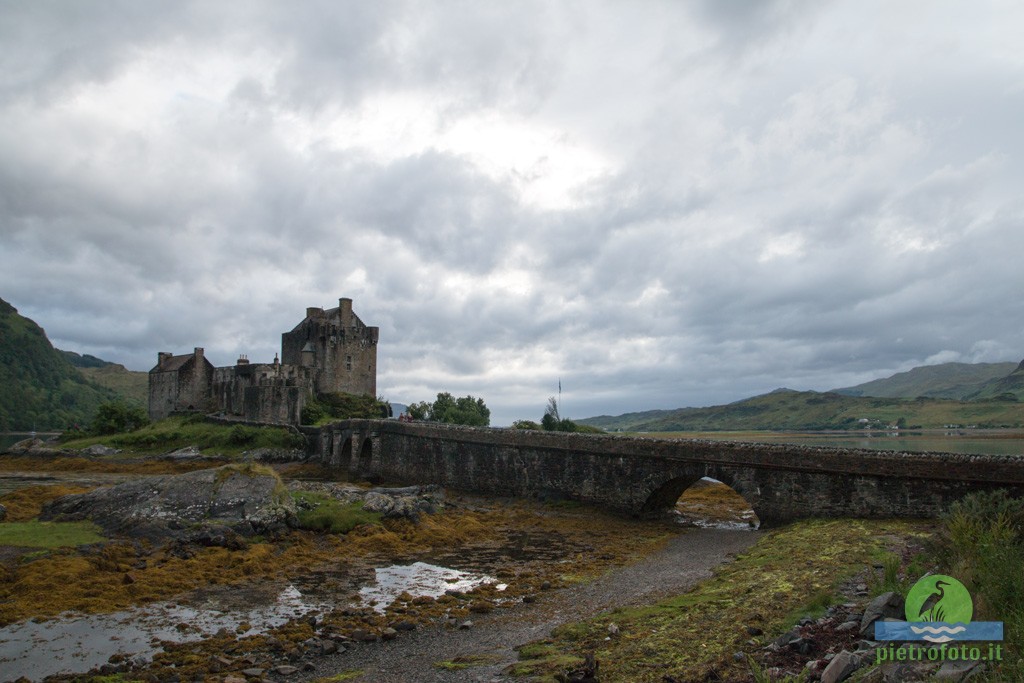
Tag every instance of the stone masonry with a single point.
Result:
(641, 476)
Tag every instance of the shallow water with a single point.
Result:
(77, 643)
(417, 579)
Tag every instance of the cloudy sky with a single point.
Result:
(661, 203)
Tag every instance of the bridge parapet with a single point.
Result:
(641, 475)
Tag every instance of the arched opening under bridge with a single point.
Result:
(703, 502)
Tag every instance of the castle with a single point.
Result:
(329, 351)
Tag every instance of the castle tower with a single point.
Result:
(337, 346)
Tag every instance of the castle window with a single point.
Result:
(348, 362)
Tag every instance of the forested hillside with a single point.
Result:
(39, 388)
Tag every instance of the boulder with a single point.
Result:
(36, 448)
(841, 667)
(959, 670)
(275, 455)
(185, 453)
(212, 507)
(885, 605)
(100, 449)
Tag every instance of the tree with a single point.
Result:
(467, 410)
(116, 417)
(552, 422)
(552, 409)
(419, 411)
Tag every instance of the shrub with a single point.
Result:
(343, 406)
(981, 543)
(323, 513)
(241, 435)
(117, 417)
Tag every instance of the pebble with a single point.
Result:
(466, 625)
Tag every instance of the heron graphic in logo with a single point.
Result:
(932, 609)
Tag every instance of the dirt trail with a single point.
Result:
(686, 560)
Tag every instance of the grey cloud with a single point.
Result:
(771, 207)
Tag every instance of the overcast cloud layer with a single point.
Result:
(662, 204)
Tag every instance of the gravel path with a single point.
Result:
(686, 560)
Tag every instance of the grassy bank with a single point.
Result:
(790, 572)
(192, 430)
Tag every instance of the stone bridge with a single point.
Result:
(642, 476)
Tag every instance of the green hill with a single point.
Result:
(785, 409)
(131, 385)
(84, 361)
(40, 389)
(946, 380)
(1006, 388)
(625, 422)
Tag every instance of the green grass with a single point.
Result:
(341, 676)
(36, 534)
(327, 514)
(466, 662)
(192, 430)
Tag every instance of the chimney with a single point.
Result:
(242, 360)
(345, 311)
(199, 353)
(162, 357)
(314, 312)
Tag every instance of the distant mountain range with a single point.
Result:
(961, 381)
(980, 394)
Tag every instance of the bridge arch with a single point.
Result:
(664, 497)
(344, 457)
(365, 456)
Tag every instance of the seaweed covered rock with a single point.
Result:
(198, 506)
(409, 502)
(35, 447)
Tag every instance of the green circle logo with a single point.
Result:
(939, 598)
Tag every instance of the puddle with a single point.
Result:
(76, 644)
(747, 522)
(417, 579)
